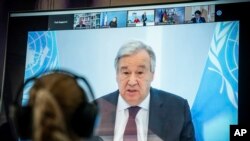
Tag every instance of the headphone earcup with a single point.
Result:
(23, 121)
(83, 121)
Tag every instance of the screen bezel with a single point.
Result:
(17, 35)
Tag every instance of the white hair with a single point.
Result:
(133, 47)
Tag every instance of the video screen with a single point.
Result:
(140, 18)
(206, 12)
(87, 20)
(169, 16)
(201, 67)
(113, 19)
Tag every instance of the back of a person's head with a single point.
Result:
(54, 98)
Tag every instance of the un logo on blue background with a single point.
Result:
(42, 55)
(232, 53)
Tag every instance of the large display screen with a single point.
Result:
(197, 61)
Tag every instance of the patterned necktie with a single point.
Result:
(130, 133)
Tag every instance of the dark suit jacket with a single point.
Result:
(169, 116)
(201, 20)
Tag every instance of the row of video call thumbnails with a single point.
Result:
(136, 18)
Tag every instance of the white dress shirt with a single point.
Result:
(141, 119)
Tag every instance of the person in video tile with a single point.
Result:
(81, 23)
(113, 23)
(198, 18)
(136, 20)
(144, 18)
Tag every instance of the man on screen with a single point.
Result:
(81, 23)
(144, 18)
(198, 18)
(137, 111)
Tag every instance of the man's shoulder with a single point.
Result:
(109, 98)
(108, 102)
(203, 19)
(164, 95)
(109, 95)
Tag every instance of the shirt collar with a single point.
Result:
(122, 104)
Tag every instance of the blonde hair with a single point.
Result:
(54, 99)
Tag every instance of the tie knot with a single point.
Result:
(133, 110)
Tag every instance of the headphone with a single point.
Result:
(83, 120)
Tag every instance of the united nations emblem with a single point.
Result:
(41, 55)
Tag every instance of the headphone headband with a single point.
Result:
(76, 77)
